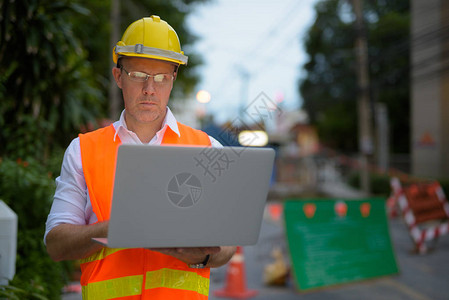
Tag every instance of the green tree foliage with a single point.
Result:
(27, 187)
(54, 72)
(47, 90)
(330, 87)
(55, 65)
(48, 86)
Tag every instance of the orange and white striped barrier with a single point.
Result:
(420, 204)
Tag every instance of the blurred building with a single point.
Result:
(295, 136)
(430, 88)
(306, 139)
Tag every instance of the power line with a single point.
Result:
(257, 49)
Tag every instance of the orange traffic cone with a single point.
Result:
(275, 210)
(235, 286)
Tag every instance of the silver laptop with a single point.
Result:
(168, 196)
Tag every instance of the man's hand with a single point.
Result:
(218, 255)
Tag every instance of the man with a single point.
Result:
(147, 58)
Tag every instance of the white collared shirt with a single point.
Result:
(71, 204)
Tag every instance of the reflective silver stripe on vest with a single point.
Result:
(141, 49)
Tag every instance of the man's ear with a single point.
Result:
(175, 72)
(117, 73)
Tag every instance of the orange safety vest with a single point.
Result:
(132, 273)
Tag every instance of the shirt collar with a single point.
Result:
(169, 121)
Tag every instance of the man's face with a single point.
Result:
(145, 102)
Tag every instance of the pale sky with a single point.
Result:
(263, 38)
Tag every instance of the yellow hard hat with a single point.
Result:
(150, 38)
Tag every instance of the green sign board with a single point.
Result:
(338, 241)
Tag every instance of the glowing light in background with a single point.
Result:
(255, 138)
(203, 96)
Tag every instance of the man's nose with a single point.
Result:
(149, 86)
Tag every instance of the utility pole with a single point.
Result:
(382, 136)
(114, 95)
(244, 90)
(363, 103)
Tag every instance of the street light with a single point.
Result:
(203, 96)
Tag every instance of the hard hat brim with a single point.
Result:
(140, 50)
